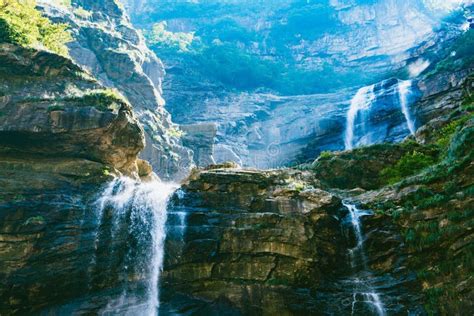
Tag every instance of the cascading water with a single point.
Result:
(404, 89)
(364, 296)
(138, 212)
(371, 103)
(360, 106)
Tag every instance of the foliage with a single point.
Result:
(55, 108)
(297, 185)
(160, 37)
(325, 155)
(83, 13)
(175, 132)
(445, 135)
(408, 165)
(22, 24)
(228, 52)
(460, 55)
(103, 100)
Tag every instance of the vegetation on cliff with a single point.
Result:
(22, 24)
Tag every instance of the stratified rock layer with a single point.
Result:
(251, 239)
(106, 44)
(58, 146)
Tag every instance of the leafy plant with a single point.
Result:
(22, 24)
(161, 37)
(408, 165)
(104, 100)
(447, 132)
(175, 132)
(325, 155)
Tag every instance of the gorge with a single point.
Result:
(207, 157)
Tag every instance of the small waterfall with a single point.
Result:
(360, 106)
(364, 294)
(404, 90)
(138, 212)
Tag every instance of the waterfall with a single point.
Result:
(364, 292)
(360, 104)
(138, 214)
(404, 90)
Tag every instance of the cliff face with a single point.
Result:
(274, 80)
(108, 46)
(62, 136)
(239, 241)
(245, 239)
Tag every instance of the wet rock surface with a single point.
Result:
(268, 242)
(58, 146)
(250, 233)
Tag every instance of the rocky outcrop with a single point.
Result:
(200, 138)
(115, 53)
(250, 239)
(62, 136)
(50, 108)
(432, 212)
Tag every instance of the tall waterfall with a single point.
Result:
(365, 123)
(364, 294)
(404, 90)
(142, 209)
(360, 106)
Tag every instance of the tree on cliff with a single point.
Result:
(22, 24)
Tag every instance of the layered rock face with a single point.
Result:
(423, 222)
(61, 139)
(266, 242)
(269, 124)
(108, 46)
(250, 239)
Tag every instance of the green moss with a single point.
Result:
(325, 155)
(445, 135)
(103, 100)
(82, 13)
(22, 24)
(408, 165)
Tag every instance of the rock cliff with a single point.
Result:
(76, 237)
(106, 44)
(274, 80)
(62, 136)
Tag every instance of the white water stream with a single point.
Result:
(143, 207)
(363, 292)
(358, 131)
(360, 105)
(404, 90)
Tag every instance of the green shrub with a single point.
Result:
(175, 132)
(160, 37)
(22, 24)
(103, 100)
(325, 155)
(446, 133)
(408, 165)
